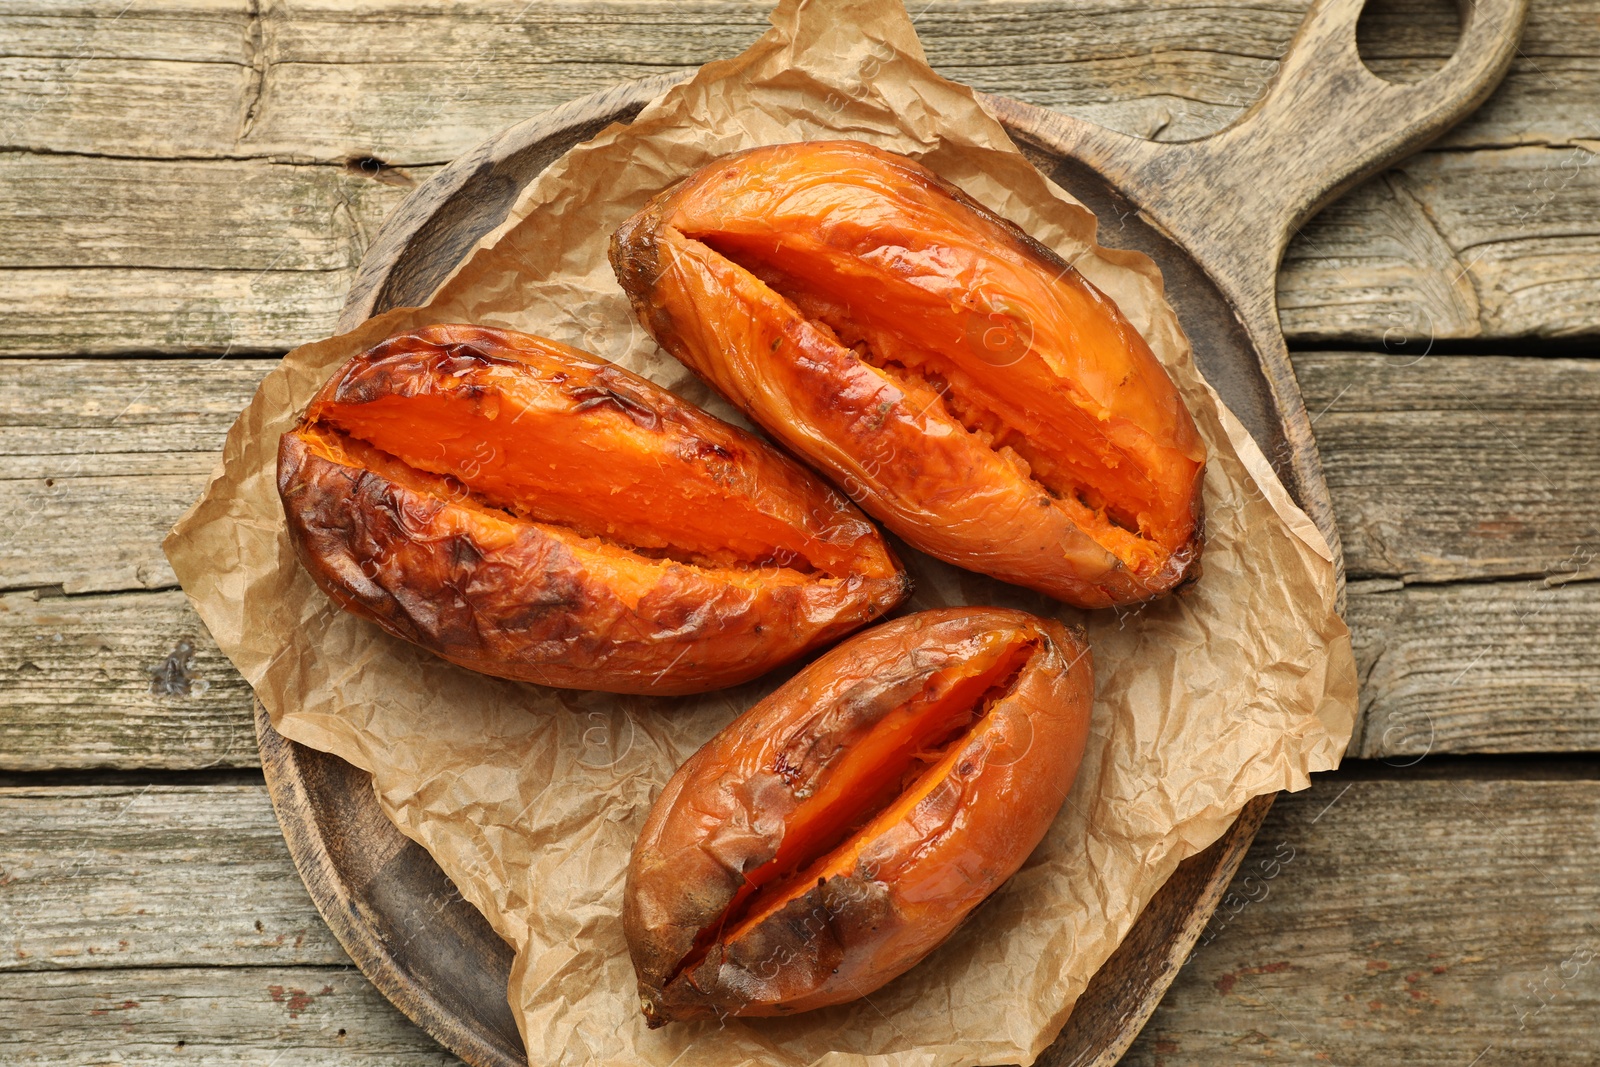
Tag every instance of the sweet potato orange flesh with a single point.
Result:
(574, 455)
(958, 380)
(454, 487)
(628, 574)
(879, 780)
(1107, 486)
(876, 773)
(834, 834)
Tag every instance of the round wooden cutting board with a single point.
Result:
(1214, 214)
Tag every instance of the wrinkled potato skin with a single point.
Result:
(416, 553)
(887, 439)
(725, 812)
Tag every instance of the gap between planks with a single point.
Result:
(1491, 235)
(1477, 474)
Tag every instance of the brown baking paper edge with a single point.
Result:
(530, 798)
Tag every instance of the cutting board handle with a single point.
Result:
(1233, 199)
(1326, 121)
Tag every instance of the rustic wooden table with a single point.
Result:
(186, 187)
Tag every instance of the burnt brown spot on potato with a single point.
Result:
(593, 396)
(504, 501)
(959, 380)
(874, 818)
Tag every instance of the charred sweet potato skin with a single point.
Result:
(892, 892)
(567, 599)
(929, 357)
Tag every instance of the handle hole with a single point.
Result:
(1406, 41)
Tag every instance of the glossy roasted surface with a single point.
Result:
(833, 835)
(152, 231)
(957, 379)
(534, 513)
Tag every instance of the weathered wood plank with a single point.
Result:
(101, 457)
(1448, 245)
(90, 523)
(129, 681)
(74, 311)
(113, 256)
(157, 876)
(1415, 921)
(1450, 468)
(100, 681)
(105, 407)
(1478, 667)
(1420, 922)
(312, 1016)
(1174, 70)
(77, 213)
(1442, 469)
(422, 82)
(1454, 244)
(415, 82)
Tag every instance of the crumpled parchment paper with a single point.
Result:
(530, 798)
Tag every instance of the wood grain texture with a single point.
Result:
(1423, 922)
(328, 81)
(1441, 469)
(130, 681)
(323, 81)
(1475, 667)
(1487, 239)
(253, 215)
(245, 1016)
(158, 924)
(1460, 468)
(1444, 469)
(99, 459)
(1486, 244)
(94, 522)
(1352, 901)
(73, 311)
(152, 876)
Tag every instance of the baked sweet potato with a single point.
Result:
(838, 831)
(532, 512)
(956, 378)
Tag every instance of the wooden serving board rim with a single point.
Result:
(342, 909)
(1151, 956)
(344, 912)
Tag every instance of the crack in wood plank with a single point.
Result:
(258, 60)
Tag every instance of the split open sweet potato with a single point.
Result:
(956, 378)
(838, 831)
(529, 511)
